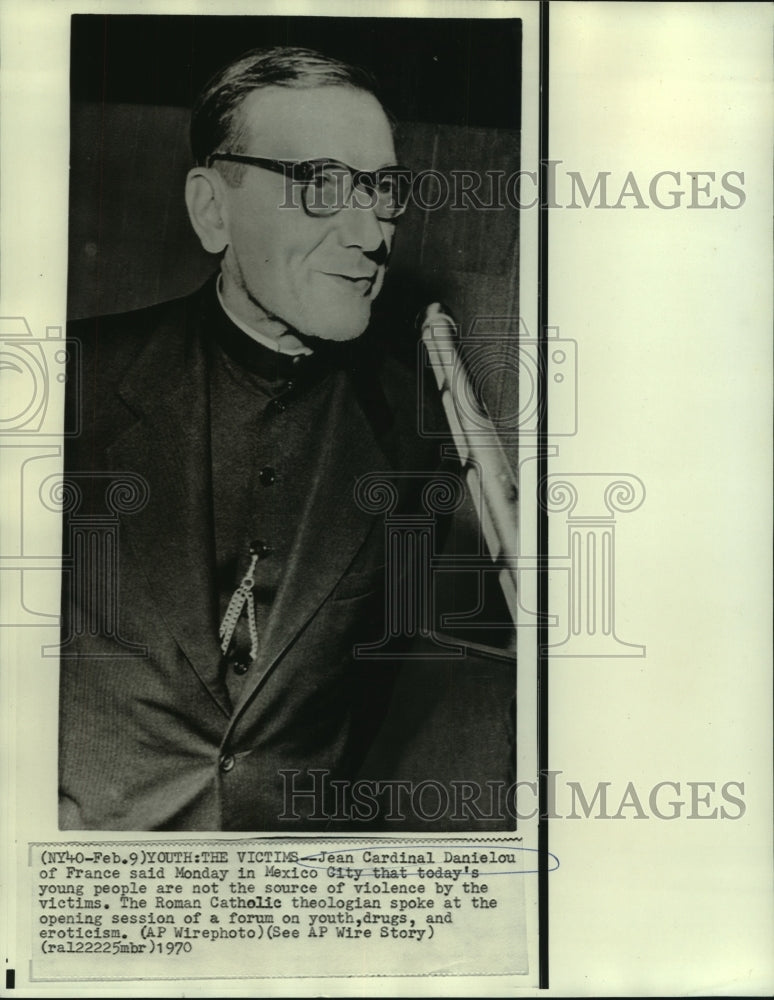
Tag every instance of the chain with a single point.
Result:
(242, 596)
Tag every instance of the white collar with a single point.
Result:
(292, 347)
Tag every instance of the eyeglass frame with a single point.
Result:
(303, 172)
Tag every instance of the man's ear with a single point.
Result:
(206, 208)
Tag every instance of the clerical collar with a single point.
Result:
(292, 347)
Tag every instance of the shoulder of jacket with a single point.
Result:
(110, 343)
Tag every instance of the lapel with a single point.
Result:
(332, 527)
(169, 444)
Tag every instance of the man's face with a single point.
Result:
(317, 275)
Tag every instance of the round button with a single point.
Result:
(241, 666)
(226, 762)
(267, 475)
(290, 385)
(278, 405)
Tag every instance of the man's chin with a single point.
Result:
(338, 327)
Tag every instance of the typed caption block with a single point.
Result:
(278, 908)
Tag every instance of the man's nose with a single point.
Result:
(359, 227)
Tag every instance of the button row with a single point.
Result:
(279, 403)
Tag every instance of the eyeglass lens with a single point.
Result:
(331, 188)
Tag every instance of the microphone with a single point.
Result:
(488, 473)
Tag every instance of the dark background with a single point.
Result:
(451, 71)
(455, 88)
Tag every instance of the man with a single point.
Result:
(215, 652)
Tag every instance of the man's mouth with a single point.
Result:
(361, 283)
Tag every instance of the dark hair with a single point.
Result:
(216, 121)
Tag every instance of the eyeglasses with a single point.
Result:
(327, 186)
